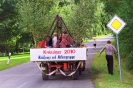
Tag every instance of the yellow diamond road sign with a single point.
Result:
(116, 24)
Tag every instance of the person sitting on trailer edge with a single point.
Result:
(42, 44)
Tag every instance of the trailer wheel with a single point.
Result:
(75, 75)
(46, 71)
(80, 70)
(83, 68)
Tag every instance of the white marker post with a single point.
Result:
(117, 24)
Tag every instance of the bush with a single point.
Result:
(129, 61)
(2, 54)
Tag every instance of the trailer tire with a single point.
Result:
(83, 68)
(80, 70)
(75, 75)
(46, 71)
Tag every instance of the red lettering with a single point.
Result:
(52, 52)
(44, 52)
(69, 51)
(48, 52)
(74, 51)
(65, 52)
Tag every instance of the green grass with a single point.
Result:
(100, 36)
(102, 79)
(16, 59)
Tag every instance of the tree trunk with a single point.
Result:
(34, 39)
(16, 47)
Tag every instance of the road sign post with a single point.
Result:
(119, 60)
(117, 24)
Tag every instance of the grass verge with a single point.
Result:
(16, 59)
(102, 79)
(102, 36)
(97, 37)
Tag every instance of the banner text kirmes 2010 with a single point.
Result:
(57, 54)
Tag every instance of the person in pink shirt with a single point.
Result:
(63, 35)
(58, 43)
(63, 42)
(69, 41)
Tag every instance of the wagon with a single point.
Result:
(67, 61)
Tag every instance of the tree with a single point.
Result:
(34, 17)
(123, 8)
(8, 25)
(86, 18)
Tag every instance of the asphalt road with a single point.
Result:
(27, 75)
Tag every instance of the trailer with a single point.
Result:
(67, 61)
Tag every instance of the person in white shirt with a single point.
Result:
(54, 40)
(94, 43)
(109, 50)
(9, 55)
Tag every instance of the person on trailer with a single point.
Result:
(54, 40)
(63, 35)
(63, 43)
(58, 43)
(42, 44)
(48, 41)
(69, 41)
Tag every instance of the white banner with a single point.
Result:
(57, 54)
